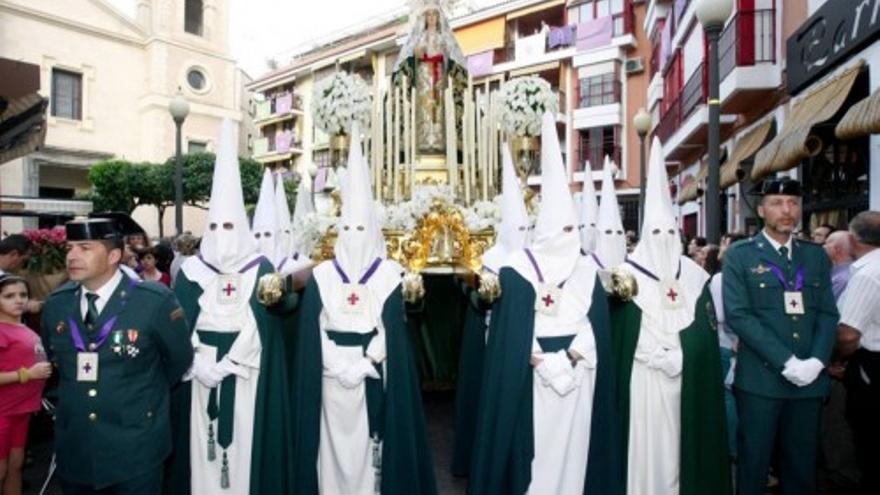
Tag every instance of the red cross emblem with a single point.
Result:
(229, 289)
(548, 300)
(672, 294)
(353, 299)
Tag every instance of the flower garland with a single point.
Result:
(339, 100)
(523, 103)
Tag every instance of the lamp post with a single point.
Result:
(179, 109)
(642, 123)
(712, 14)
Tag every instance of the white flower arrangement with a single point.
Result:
(523, 103)
(339, 100)
(309, 229)
(482, 215)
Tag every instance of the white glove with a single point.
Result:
(669, 361)
(552, 365)
(226, 367)
(203, 371)
(802, 372)
(355, 374)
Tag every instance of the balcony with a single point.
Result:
(598, 102)
(748, 69)
(683, 127)
(278, 108)
(282, 146)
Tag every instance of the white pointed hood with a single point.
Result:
(659, 252)
(265, 224)
(514, 228)
(303, 207)
(227, 243)
(359, 240)
(610, 238)
(282, 212)
(555, 241)
(589, 210)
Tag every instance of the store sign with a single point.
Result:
(835, 31)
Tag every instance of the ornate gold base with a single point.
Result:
(440, 242)
(432, 170)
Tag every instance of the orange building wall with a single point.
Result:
(636, 97)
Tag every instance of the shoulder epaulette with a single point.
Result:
(153, 287)
(65, 287)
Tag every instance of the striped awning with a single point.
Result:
(794, 143)
(746, 146)
(861, 119)
(691, 190)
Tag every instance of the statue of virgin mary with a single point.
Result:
(427, 61)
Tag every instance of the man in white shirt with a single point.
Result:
(859, 338)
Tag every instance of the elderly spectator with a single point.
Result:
(839, 249)
(184, 248)
(859, 339)
(820, 234)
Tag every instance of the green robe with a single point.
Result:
(704, 463)
(504, 444)
(470, 378)
(406, 457)
(272, 437)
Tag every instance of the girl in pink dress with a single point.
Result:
(23, 373)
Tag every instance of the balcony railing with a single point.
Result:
(691, 96)
(748, 39)
(655, 59)
(596, 156)
(280, 104)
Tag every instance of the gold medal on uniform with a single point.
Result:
(353, 299)
(228, 288)
(794, 302)
(549, 297)
(670, 294)
(87, 366)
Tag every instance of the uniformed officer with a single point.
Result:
(119, 344)
(778, 300)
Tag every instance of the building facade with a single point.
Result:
(790, 71)
(109, 78)
(594, 53)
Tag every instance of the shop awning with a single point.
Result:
(22, 109)
(534, 8)
(691, 191)
(861, 119)
(793, 144)
(746, 146)
(482, 36)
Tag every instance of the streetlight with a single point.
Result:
(642, 123)
(712, 14)
(179, 109)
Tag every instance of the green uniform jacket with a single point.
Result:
(504, 443)
(704, 463)
(116, 428)
(270, 455)
(406, 456)
(470, 379)
(754, 310)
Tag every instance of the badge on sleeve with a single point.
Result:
(87, 367)
(228, 288)
(794, 302)
(354, 300)
(549, 297)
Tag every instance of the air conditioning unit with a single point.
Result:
(634, 65)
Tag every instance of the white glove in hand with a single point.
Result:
(203, 371)
(226, 367)
(552, 365)
(355, 374)
(802, 372)
(669, 361)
